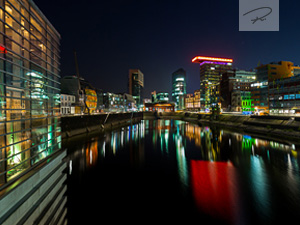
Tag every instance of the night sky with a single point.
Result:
(160, 36)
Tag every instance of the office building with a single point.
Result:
(136, 85)
(235, 88)
(260, 95)
(226, 89)
(162, 96)
(113, 102)
(241, 94)
(246, 103)
(178, 86)
(192, 101)
(100, 105)
(211, 70)
(271, 77)
(29, 88)
(159, 96)
(129, 103)
(284, 92)
(189, 102)
(276, 70)
(118, 102)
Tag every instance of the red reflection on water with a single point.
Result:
(91, 153)
(214, 189)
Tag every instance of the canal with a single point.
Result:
(176, 171)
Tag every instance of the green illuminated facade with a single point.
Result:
(29, 88)
(247, 105)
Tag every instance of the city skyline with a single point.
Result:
(161, 37)
(228, 118)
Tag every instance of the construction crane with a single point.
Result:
(82, 97)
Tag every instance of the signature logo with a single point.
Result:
(267, 10)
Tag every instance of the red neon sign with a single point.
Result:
(3, 50)
(205, 58)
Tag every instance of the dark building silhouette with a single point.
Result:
(136, 85)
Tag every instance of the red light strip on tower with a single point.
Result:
(202, 58)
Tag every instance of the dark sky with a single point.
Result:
(160, 36)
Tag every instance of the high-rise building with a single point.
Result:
(136, 85)
(29, 88)
(178, 85)
(211, 70)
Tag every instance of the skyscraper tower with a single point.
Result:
(178, 85)
(211, 69)
(136, 85)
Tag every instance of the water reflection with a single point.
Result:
(215, 190)
(237, 178)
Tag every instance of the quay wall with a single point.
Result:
(76, 125)
(283, 127)
(275, 126)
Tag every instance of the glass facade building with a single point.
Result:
(178, 85)
(159, 97)
(29, 88)
(211, 70)
(136, 85)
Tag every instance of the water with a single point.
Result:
(175, 171)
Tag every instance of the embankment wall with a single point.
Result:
(76, 125)
(283, 127)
